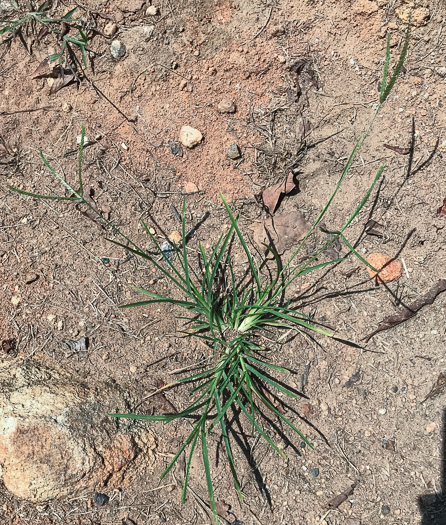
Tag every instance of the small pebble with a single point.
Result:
(233, 152)
(117, 49)
(190, 137)
(395, 389)
(105, 260)
(385, 510)
(31, 278)
(315, 472)
(86, 140)
(382, 411)
(66, 107)
(175, 237)
(431, 427)
(175, 148)
(15, 300)
(133, 369)
(303, 444)
(101, 499)
(226, 106)
(152, 10)
(110, 29)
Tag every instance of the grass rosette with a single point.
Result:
(228, 316)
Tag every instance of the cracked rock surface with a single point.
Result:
(56, 438)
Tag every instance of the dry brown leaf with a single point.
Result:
(442, 209)
(222, 508)
(281, 232)
(61, 82)
(271, 195)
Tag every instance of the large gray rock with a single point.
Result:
(56, 439)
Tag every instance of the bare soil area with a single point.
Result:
(366, 413)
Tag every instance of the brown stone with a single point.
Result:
(56, 438)
(391, 269)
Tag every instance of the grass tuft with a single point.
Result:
(229, 316)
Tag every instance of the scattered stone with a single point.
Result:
(110, 29)
(152, 10)
(133, 369)
(105, 356)
(431, 427)
(190, 137)
(86, 140)
(66, 107)
(391, 271)
(226, 106)
(382, 411)
(233, 152)
(60, 325)
(117, 49)
(148, 32)
(303, 444)
(56, 437)
(31, 277)
(190, 187)
(175, 237)
(183, 84)
(152, 231)
(281, 59)
(441, 71)
(175, 148)
(15, 300)
(385, 510)
(315, 472)
(395, 389)
(101, 499)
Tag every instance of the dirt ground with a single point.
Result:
(60, 279)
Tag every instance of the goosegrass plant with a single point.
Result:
(37, 21)
(228, 317)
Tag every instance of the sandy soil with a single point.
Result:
(60, 279)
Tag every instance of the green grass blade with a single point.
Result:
(270, 381)
(37, 196)
(243, 243)
(386, 69)
(398, 68)
(189, 461)
(224, 433)
(207, 470)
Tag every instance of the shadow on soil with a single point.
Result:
(433, 506)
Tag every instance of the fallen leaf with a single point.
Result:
(410, 311)
(222, 509)
(280, 232)
(442, 209)
(373, 228)
(397, 149)
(271, 195)
(60, 82)
(340, 498)
(42, 68)
(438, 388)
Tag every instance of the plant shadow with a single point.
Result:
(433, 505)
